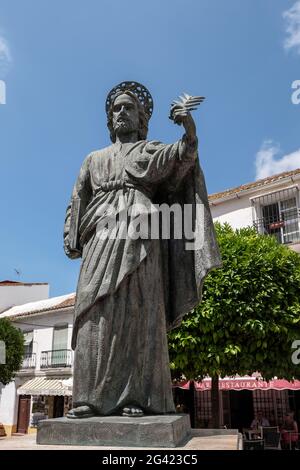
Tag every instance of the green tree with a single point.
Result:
(14, 345)
(249, 315)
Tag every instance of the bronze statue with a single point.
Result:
(132, 290)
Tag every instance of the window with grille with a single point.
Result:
(279, 215)
(273, 404)
(203, 413)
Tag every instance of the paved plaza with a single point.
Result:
(222, 442)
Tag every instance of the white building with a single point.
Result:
(17, 293)
(271, 205)
(42, 388)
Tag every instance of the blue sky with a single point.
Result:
(59, 59)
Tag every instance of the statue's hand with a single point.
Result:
(183, 105)
(182, 116)
(181, 113)
(72, 254)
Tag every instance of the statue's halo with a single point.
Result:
(139, 90)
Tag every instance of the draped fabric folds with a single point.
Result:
(131, 290)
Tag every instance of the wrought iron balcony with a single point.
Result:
(29, 361)
(56, 358)
(285, 229)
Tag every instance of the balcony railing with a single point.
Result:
(56, 358)
(29, 361)
(286, 230)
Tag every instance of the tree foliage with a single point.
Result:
(249, 315)
(14, 344)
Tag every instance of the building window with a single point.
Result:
(28, 343)
(273, 403)
(277, 214)
(60, 337)
(59, 355)
(59, 345)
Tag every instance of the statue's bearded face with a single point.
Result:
(125, 115)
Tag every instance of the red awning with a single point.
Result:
(185, 385)
(244, 383)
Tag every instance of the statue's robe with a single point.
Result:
(131, 291)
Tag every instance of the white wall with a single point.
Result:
(8, 404)
(22, 294)
(236, 212)
(70, 326)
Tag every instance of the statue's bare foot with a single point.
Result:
(80, 412)
(132, 411)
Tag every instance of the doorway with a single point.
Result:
(58, 407)
(241, 408)
(23, 414)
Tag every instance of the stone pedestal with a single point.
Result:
(146, 431)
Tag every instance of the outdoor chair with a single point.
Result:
(272, 440)
(253, 444)
(250, 434)
(266, 429)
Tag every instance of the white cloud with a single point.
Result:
(5, 55)
(292, 22)
(269, 163)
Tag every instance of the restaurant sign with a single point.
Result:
(244, 383)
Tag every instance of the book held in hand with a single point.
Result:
(74, 225)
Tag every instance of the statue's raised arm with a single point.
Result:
(180, 113)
